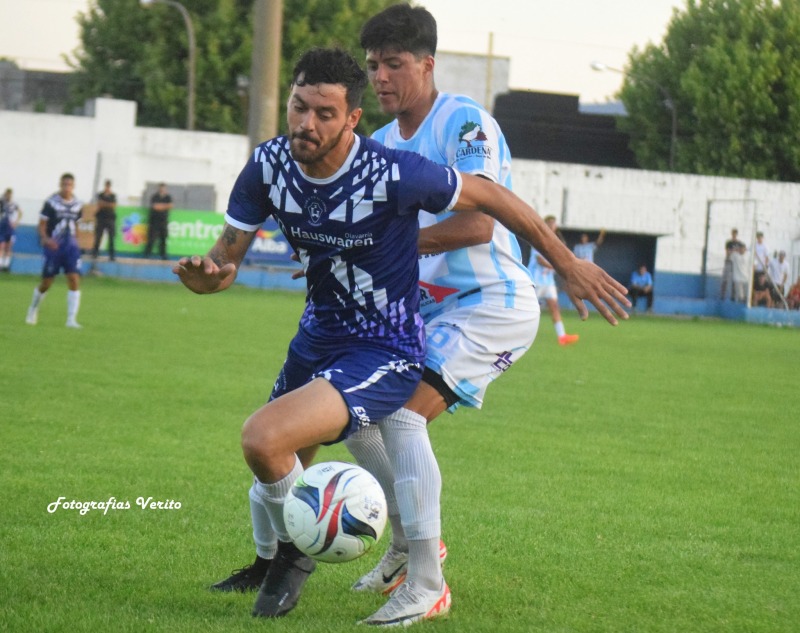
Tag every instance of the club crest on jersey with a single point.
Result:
(473, 136)
(314, 207)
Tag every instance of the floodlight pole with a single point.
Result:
(669, 103)
(190, 88)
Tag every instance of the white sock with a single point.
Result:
(559, 326)
(6, 261)
(264, 536)
(272, 497)
(367, 447)
(73, 304)
(37, 298)
(418, 486)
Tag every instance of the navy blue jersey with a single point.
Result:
(62, 217)
(355, 233)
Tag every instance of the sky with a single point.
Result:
(551, 43)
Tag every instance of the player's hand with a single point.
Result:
(299, 274)
(202, 275)
(585, 281)
(50, 244)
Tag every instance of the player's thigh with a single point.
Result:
(472, 346)
(308, 415)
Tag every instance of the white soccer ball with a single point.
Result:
(335, 512)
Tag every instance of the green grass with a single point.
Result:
(644, 480)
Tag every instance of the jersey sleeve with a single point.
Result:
(48, 212)
(248, 203)
(427, 185)
(472, 142)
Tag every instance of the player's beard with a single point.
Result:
(317, 152)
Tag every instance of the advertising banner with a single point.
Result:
(194, 233)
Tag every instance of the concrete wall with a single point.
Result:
(683, 211)
(477, 76)
(38, 148)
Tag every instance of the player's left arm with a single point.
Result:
(583, 280)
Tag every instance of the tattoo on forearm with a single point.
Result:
(230, 235)
(220, 254)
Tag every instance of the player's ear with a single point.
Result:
(353, 117)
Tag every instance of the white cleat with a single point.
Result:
(390, 572)
(32, 318)
(410, 604)
(74, 324)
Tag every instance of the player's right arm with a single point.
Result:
(217, 270)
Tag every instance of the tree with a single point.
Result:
(730, 69)
(140, 54)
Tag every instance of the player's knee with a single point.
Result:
(259, 445)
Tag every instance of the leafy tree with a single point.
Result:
(140, 54)
(730, 69)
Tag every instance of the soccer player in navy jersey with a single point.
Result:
(349, 207)
(58, 234)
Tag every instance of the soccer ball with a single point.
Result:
(335, 512)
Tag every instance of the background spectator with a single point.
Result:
(585, 249)
(641, 286)
(731, 247)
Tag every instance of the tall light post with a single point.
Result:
(187, 19)
(669, 103)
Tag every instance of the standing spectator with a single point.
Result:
(106, 220)
(778, 276)
(10, 215)
(160, 204)
(740, 275)
(58, 233)
(544, 280)
(585, 249)
(761, 256)
(641, 286)
(731, 247)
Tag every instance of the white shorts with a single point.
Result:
(547, 292)
(470, 346)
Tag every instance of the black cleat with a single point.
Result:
(245, 579)
(284, 582)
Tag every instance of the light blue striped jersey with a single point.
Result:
(460, 133)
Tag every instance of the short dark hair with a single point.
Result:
(403, 28)
(66, 176)
(332, 66)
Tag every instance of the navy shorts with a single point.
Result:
(374, 381)
(7, 232)
(67, 258)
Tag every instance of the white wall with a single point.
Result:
(37, 148)
(673, 207)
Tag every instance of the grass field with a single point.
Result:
(644, 480)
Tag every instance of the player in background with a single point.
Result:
(337, 184)
(10, 215)
(58, 234)
(544, 279)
